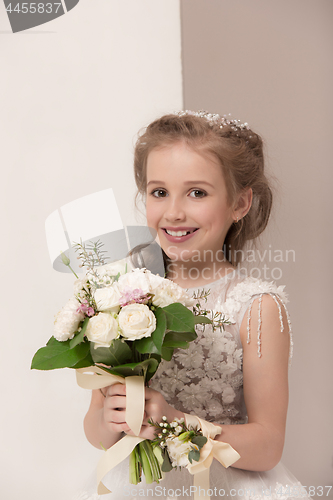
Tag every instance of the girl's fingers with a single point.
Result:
(116, 390)
(116, 402)
(115, 410)
(115, 427)
(117, 417)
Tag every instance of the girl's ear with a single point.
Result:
(243, 204)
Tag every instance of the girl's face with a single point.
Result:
(187, 204)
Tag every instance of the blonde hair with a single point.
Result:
(239, 151)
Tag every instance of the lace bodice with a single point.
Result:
(207, 379)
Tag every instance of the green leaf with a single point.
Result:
(184, 336)
(80, 336)
(173, 340)
(200, 441)
(202, 319)
(158, 454)
(159, 332)
(180, 344)
(148, 366)
(166, 465)
(194, 455)
(59, 355)
(53, 341)
(179, 318)
(146, 346)
(152, 368)
(87, 361)
(117, 354)
(167, 353)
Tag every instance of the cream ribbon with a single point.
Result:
(223, 452)
(135, 405)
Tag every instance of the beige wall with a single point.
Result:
(73, 94)
(270, 63)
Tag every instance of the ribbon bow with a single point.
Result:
(223, 452)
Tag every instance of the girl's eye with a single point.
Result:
(197, 193)
(159, 193)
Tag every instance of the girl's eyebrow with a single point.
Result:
(194, 183)
(155, 182)
(201, 181)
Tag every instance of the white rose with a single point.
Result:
(136, 321)
(168, 293)
(102, 329)
(138, 278)
(67, 320)
(155, 280)
(178, 451)
(107, 299)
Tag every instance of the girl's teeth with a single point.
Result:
(177, 233)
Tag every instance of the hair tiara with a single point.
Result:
(215, 119)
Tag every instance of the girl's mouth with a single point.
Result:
(181, 234)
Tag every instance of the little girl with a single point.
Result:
(202, 177)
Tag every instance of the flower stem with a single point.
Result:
(150, 465)
(73, 271)
(134, 467)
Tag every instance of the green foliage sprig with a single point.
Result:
(90, 254)
(217, 319)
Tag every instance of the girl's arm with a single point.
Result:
(260, 441)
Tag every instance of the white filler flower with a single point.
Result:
(67, 320)
(136, 321)
(102, 329)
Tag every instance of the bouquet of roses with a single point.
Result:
(125, 321)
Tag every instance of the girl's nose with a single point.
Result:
(175, 211)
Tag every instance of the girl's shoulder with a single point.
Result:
(240, 297)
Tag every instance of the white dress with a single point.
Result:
(207, 380)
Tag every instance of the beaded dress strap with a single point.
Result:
(248, 340)
(243, 295)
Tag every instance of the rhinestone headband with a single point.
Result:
(215, 119)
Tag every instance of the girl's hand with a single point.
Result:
(155, 408)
